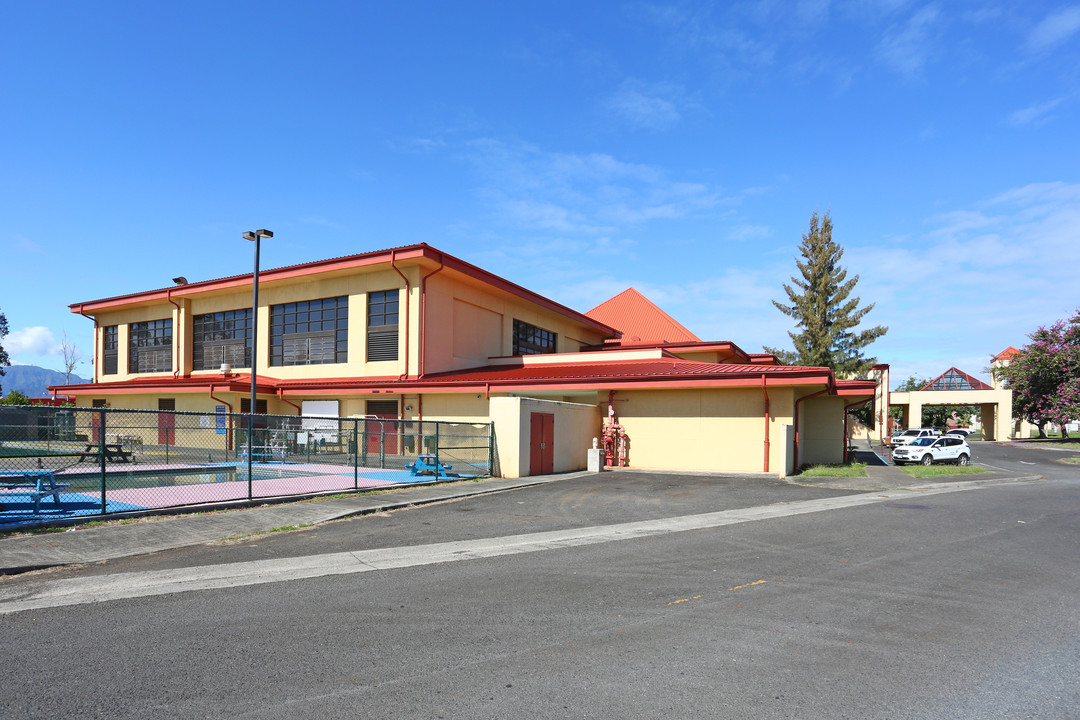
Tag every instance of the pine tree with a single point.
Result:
(4, 361)
(825, 316)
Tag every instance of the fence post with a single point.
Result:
(356, 454)
(101, 457)
(250, 447)
(382, 443)
(437, 466)
(491, 450)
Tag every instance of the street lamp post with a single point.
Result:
(255, 237)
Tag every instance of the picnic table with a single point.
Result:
(33, 483)
(427, 464)
(264, 453)
(114, 452)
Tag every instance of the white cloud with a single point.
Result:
(1054, 30)
(31, 341)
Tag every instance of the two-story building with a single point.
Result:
(414, 333)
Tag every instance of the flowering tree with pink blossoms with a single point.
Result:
(1045, 375)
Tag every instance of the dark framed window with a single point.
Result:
(313, 332)
(382, 325)
(110, 349)
(150, 346)
(532, 340)
(222, 337)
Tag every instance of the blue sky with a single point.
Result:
(574, 148)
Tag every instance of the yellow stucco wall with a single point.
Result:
(708, 429)
(467, 323)
(821, 430)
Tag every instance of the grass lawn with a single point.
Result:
(925, 471)
(1055, 442)
(838, 470)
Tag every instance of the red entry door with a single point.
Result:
(166, 421)
(542, 444)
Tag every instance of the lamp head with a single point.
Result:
(249, 236)
(264, 233)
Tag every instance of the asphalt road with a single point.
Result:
(589, 599)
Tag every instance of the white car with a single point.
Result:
(907, 436)
(930, 450)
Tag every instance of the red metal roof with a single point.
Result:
(640, 320)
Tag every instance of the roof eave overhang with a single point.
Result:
(416, 253)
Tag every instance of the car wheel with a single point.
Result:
(962, 460)
(928, 459)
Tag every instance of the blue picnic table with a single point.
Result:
(426, 464)
(34, 483)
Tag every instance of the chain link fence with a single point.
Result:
(59, 462)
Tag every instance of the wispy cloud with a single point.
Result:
(908, 46)
(1035, 114)
(579, 194)
(1053, 30)
(647, 107)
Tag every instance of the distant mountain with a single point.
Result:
(33, 381)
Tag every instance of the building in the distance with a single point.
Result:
(415, 333)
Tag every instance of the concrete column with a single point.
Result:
(989, 419)
(914, 418)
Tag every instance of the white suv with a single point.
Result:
(929, 450)
(907, 436)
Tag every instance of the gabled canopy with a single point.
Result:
(953, 379)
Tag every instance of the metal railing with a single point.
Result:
(59, 462)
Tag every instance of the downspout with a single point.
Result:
(797, 403)
(766, 394)
(281, 397)
(176, 335)
(96, 328)
(423, 310)
(226, 403)
(393, 259)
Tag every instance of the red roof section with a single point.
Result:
(639, 319)
(1007, 354)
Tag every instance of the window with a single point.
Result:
(531, 340)
(110, 349)
(382, 325)
(313, 332)
(223, 337)
(150, 346)
(383, 408)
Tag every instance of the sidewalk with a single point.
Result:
(73, 546)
